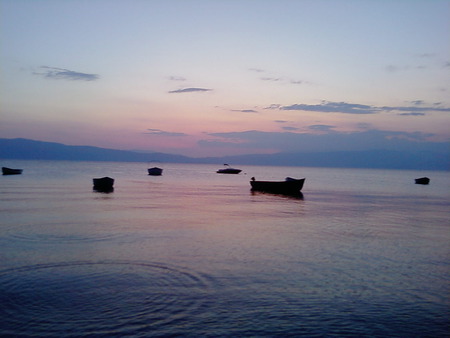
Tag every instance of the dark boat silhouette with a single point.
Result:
(10, 171)
(422, 180)
(289, 186)
(104, 184)
(155, 171)
(228, 170)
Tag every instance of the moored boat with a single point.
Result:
(104, 184)
(422, 180)
(10, 171)
(155, 171)
(228, 170)
(289, 186)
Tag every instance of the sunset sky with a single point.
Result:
(224, 77)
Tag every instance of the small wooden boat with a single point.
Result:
(228, 170)
(10, 171)
(289, 186)
(422, 180)
(104, 184)
(155, 171)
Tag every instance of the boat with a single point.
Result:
(228, 170)
(289, 186)
(104, 184)
(155, 171)
(422, 180)
(10, 171)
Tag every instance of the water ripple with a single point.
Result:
(63, 239)
(105, 298)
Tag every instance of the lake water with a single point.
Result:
(194, 253)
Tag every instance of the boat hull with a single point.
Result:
(288, 187)
(10, 171)
(229, 171)
(422, 180)
(155, 171)
(104, 184)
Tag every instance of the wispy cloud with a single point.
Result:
(288, 128)
(279, 79)
(418, 102)
(64, 74)
(189, 90)
(163, 133)
(322, 127)
(282, 80)
(333, 107)
(423, 109)
(256, 70)
(271, 79)
(245, 110)
(177, 78)
(284, 127)
(354, 108)
(274, 106)
(412, 114)
(297, 82)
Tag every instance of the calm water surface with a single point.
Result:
(195, 253)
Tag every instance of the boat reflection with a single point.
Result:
(297, 195)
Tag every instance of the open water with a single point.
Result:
(194, 253)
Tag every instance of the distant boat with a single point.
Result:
(422, 180)
(155, 171)
(104, 184)
(289, 186)
(10, 171)
(228, 170)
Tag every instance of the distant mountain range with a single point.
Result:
(25, 149)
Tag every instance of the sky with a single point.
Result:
(227, 77)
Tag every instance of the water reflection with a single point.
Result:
(195, 254)
(297, 196)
